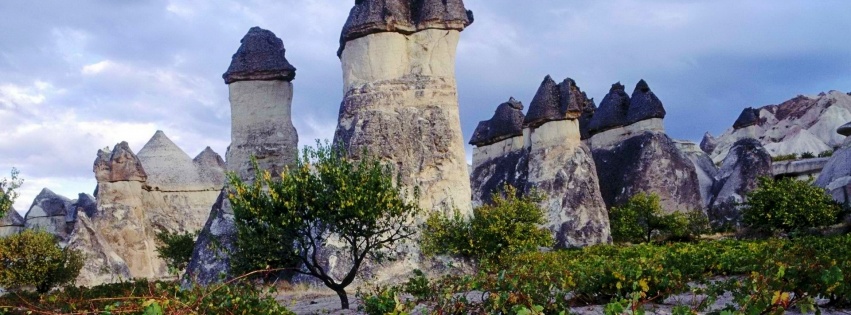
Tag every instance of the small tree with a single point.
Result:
(637, 219)
(176, 248)
(788, 205)
(35, 259)
(509, 225)
(326, 196)
(8, 192)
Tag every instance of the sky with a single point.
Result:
(78, 76)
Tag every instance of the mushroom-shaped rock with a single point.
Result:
(507, 122)
(260, 57)
(844, 130)
(613, 110)
(748, 117)
(120, 164)
(545, 104)
(211, 166)
(708, 143)
(168, 167)
(644, 104)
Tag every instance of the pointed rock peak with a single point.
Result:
(572, 100)
(48, 203)
(507, 122)
(845, 130)
(644, 104)
(209, 158)
(261, 57)
(545, 104)
(748, 117)
(161, 145)
(612, 112)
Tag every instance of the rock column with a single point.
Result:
(400, 100)
(260, 84)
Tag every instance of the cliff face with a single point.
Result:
(543, 151)
(160, 189)
(802, 124)
(836, 175)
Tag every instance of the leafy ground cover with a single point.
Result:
(763, 277)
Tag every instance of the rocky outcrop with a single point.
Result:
(261, 127)
(746, 162)
(835, 177)
(802, 124)
(633, 154)
(550, 157)
(120, 164)
(11, 223)
(52, 213)
(400, 97)
(708, 143)
(706, 170)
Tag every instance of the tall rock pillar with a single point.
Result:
(400, 103)
(260, 84)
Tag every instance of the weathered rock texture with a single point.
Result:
(802, 124)
(708, 143)
(835, 177)
(746, 162)
(633, 154)
(400, 98)
(52, 213)
(160, 189)
(11, 223)
(261, 127)
(706, 170)
(550, 157)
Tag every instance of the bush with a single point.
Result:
(176, 248)
(784, 157)
(788, 205)
(8, 192)
(507, 226)
(34, 259)
(807, 155)
(641, 219)
(825, 153)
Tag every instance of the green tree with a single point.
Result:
(176, 248)
(324, 197)
(509, 225)
(8, 192)
(788, 205)
(638, 219)
(35, 259)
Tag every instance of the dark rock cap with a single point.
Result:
(403, 16)
(507, 122)
(708, 143)
(261, 57)
(748, 117)
(556, 102)
(585, 119)
(844, 130)
(612, 112)
(50, 204)
(644, 104)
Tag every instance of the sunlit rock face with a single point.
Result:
(259, 82)
(746, 161)
(633, 154)
(400, 99)
(801, 124)
(835, 177)
(543, 151)
(138, 196)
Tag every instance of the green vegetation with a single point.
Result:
(8, 192)
(148, 298)
(825, 153)
(324, 197)
(509, 225)
(176, 248)
(641, 219)
(788, 205)
(784, 157)
(808, 155)
(34, 259)
(764, 277)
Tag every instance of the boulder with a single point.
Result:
(612, 112)
(52, 213)
(11, 223)
(746, 162)
(708, 143)
(844, 130)
(644, 104)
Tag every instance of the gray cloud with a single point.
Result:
(76, 76)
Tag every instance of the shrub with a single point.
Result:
(784, 157)
(509, 225)
(788, 205)
(641, 219)
(807, 155)
(825, 153)
(176, 248)
(34, 259)
(685, 226)
(8, 192)
(325, 196)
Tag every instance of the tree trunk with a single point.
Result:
(344, 299)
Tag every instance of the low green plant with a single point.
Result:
(509, 225)
(807, 155)
(784, 157)
(825, 153)
(788, 205)
(641, 219)
(176, 248)
(35, 259)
